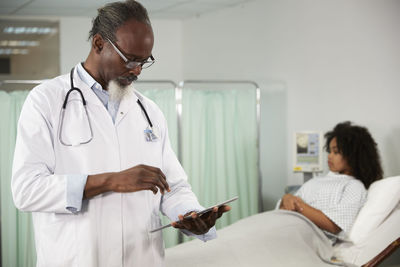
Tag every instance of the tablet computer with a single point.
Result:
(198, 213)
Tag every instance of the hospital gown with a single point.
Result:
(340, 197)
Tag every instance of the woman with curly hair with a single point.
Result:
(332, 202)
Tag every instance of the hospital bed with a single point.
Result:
(284, 238)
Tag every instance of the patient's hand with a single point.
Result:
(291, 202)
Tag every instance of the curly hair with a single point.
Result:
(113, 15)
(359, 149)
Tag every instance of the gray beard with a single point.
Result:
(118, 92)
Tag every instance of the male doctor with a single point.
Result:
(96, 174)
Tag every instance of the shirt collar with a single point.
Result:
(88, 79)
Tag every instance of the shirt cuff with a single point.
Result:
(211, 234)
(184, 208)
(75, 187)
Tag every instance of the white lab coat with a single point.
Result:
(112, 229)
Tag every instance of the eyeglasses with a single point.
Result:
(131, 64)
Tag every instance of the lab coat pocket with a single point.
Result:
(57, 244)
(155, 221)
(156, 237)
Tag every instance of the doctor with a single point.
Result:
(93, 160)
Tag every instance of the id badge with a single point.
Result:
(150, 135)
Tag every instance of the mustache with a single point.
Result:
(130, 78)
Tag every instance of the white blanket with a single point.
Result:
(274, 238)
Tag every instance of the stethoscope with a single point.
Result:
(150, 136)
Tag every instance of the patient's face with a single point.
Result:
(336, 162)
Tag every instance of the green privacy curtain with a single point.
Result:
(17, 241)
(165, 99)
(219, 146)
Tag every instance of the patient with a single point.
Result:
(333, 202)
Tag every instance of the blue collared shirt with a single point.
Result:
(103, 95)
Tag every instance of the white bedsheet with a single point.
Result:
(274, 238)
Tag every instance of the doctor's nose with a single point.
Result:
(136, 70)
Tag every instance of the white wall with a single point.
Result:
(75, 47)
(74, 44)
(319, 62)
(167, 51)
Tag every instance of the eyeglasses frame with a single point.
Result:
(128, 62)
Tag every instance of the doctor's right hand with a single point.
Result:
(140, 177)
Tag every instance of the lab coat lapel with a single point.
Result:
(127, 103)
(87, 92)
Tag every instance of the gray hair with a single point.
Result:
(113, 15)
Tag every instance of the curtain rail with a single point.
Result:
(219, 81)
(22, 81)
(41, 81)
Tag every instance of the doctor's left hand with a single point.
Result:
(200, 224)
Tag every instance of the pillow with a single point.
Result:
(383, 196)
(380, 238)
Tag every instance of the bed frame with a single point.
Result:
(384, 254)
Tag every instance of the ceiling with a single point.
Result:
(29, 15)
(160, 9)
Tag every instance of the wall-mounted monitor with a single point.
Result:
(307, 151)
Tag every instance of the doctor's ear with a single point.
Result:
(97, 43)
